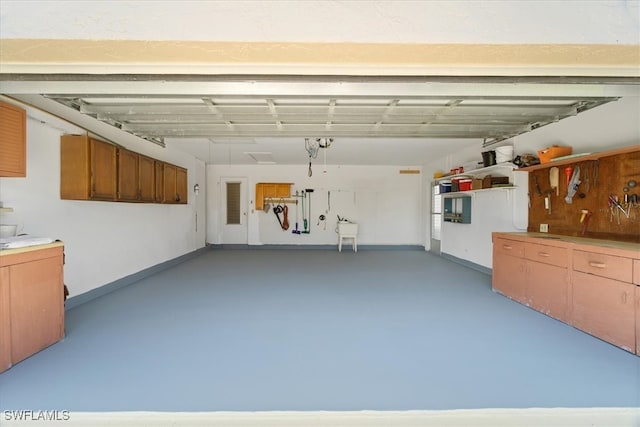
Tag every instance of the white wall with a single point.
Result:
(387, 205)
(104, 241)
(609, 126)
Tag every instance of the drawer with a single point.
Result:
(508, 247)
(636, 274)
(610, 266)
(547, 254)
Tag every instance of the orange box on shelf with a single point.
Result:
(552, 152)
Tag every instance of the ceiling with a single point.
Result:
(267, 119)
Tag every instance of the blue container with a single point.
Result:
(445, 187)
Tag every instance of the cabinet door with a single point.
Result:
(181, 185)
(13, 141)
(75, 170)
(547, 289)
(5, 320)
(103, 171)
(37, 306)
(146, 179)
(508, 276)
(159, 193)
(605, 308)
(169, 180)
(127, 176)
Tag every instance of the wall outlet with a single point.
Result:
(544, 228)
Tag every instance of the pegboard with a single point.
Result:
(600, 178)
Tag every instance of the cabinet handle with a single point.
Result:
(507, 247)
(624, 297)
(597, 264)
(544, 254)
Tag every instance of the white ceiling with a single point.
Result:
(402, 121)
(396, 121)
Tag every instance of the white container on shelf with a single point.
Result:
(504, 154)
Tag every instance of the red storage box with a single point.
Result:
(465, 184)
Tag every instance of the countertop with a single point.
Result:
(6, 252)
(615, 247)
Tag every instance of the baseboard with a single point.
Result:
(595, 417)
(128, 280)
(469, 264)
(334, 247)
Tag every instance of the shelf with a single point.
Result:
(481, 171)
(586, 158)
(462, 193)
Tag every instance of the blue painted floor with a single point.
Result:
(256, 330)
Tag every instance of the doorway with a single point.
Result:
(436, 218)
(234, 211)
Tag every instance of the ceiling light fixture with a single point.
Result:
(313, 146)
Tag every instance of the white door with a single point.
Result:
(436, 218)
(234, 210)
(200, 235)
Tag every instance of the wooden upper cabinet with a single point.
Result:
(271, 190)
(181, 185)
(146, 179)
(94, 170)
(174, 185)
(87, 169)
(127, 176)
(13, 141)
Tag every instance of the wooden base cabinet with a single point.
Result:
(31, 301)
(592, 285)
(528, 274)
